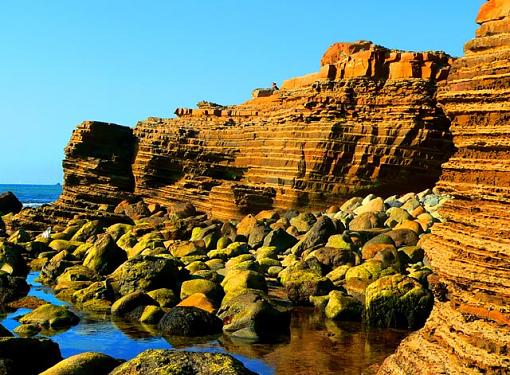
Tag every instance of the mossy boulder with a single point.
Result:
(20, 236)
(237, 280)
(12, 287)
(173, 362)
(188, 248)
(318, 234)
(212, 290)
(279, 239)
(132, 305)
(98, 290)
(370, 270)
(303, 222)
(249, 314)
(150, 240)
(164, 297)
(338, 274)
(303, 284)
(151, 314)
(343, 307)
(59, 245)
(105, 256)
(127, 241)
(189, 322)
(84, 364)
(232, 250)
(51, 316)
(89, 229)
(58, 264)
(116, 231)
(397, 301)
(144, 273)
(11, 260)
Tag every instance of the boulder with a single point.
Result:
(164, 297)
(12, 288)
(50, 316)
(28, 355)
(332, 257)
(397, 301)
(200, 301)
(11, 259)
(303, 284)
(250, 314)
(131, 305)
(89, 229)
(173, 362)
(257, 235)
(105, 256)
(403, 237)
(343, 307)
(364, 221)
(303, 222)
(116, 231)
(190, 322)
(9, 203)
(144, 273)
(84, 364)
(237, 280)
(134, 211)
(212, 290)
(279, 239)
(318, 234)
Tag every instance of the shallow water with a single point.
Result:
(315, 345)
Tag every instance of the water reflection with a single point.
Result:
(315, 345)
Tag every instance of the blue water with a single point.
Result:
(33, 195)
(118, 340)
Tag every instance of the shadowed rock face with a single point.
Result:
(367, 121)
(469, 328)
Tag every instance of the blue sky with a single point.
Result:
(62, 62)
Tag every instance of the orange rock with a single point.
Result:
(199, 300)
(493, 10)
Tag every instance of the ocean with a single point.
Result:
(33, 195)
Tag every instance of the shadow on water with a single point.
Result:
(315, 346)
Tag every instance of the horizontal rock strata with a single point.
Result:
(469, 329)
(367, 121)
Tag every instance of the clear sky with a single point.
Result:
(63, 61)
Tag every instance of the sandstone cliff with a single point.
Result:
(469, 329)
(368, 121)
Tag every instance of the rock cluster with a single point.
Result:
(367, 122)
(469, 328)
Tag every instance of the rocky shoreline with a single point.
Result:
(188, 275)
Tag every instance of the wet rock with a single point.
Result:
(190, 322)
(51, 316)
(303, 284)
(12, 288)
(237, 280)
(343, 307)
(144, 273)
(129, 305)
(249, 314)
(151, 314)
(173, 362)
(83, 364)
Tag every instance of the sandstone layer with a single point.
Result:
(469, 329)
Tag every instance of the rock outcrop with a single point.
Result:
(367, 121)
(468, 331)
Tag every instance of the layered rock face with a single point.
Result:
(97, 176)
(469, 328)
(368, 121)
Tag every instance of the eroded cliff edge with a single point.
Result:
(468, 331)
(368, 121)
